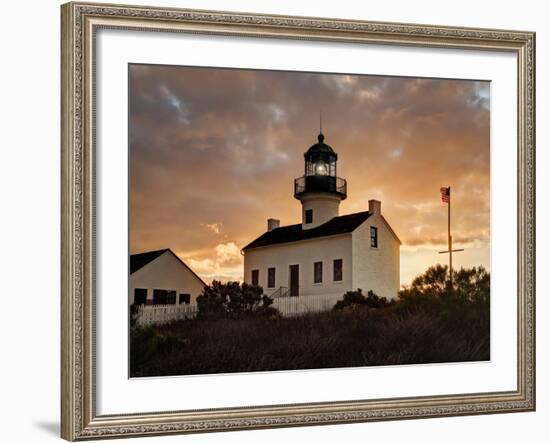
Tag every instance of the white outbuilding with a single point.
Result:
(162, 278)
(326, 254)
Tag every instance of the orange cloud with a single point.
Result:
(213, 154)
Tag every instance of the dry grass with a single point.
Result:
(388, 336)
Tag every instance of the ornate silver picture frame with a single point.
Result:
(80, 23)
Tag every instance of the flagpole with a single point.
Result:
(446, 198)
(450, 241)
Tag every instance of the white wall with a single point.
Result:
(376, 269)
(165, 272)
(304, 253)
(325, 207)
(363, 266)
(29, 225)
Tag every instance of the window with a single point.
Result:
(337, 270)
(164, 297)
(185, 299)
(373, 237)
(270, 277)
(318, 272)
(140, 296)
(159, 296)
(294, 280)
(170, 297)
(309, 216)
(255, 277)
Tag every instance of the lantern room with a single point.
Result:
(320, 171)
(320, 159)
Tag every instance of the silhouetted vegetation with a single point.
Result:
(356, 299)
(134, 309)
(233, 300)
(469, 285)
(465, 304)
(430, 322)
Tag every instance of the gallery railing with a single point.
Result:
(320, 183)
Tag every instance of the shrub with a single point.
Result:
(432, 282)
(466, 303)
(148, 343)
(134, 311)
(471, 284)
(353, 299)
(233, 300)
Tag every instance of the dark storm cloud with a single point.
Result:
(221, 147)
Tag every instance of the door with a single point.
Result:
(294, 283)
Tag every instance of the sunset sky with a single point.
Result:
(214, 152)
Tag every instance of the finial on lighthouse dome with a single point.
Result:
(321, 148)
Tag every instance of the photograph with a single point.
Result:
(287, 220)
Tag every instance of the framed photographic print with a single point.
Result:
(282, 221)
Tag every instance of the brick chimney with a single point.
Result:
(273, 223)
(375, 207)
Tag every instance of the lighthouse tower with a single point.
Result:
(319, 190)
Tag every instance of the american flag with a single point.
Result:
(445, 194)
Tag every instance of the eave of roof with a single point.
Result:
(392, 232)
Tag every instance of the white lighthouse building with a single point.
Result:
(327, 253)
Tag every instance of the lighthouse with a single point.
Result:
(326, 254)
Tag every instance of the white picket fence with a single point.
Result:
(159, 314)
(287, 306)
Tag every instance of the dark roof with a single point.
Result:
(138, 261)
(285, 234)
(320, 146)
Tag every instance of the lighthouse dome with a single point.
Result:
(320, 147)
